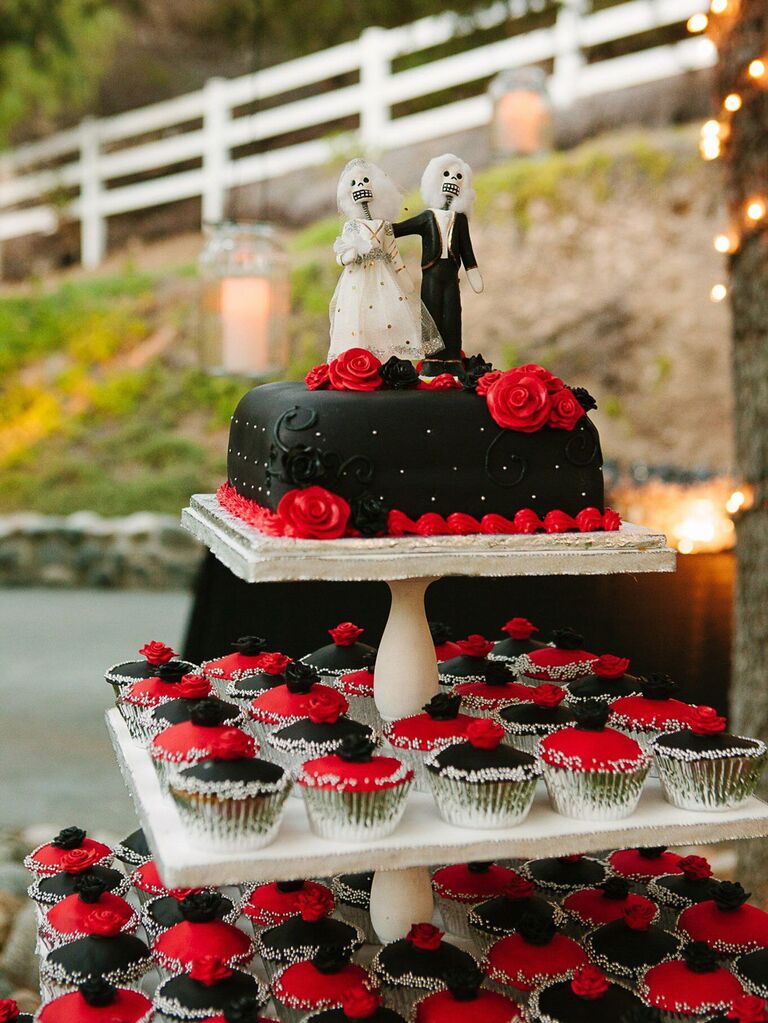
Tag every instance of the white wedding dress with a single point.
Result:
(375, 305)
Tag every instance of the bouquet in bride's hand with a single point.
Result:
(350, 245)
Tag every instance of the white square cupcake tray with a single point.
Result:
(401, 892)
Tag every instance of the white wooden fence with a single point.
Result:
(83, 166)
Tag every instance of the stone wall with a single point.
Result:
(141, 551)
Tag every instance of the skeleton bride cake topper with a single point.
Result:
(446, 188)
(375, 305)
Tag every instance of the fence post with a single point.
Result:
(375, 68)
(215, 150)
(569, 58)
(93, 225)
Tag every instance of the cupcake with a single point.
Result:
(585, 997)
(654, 712)
(518, 642)
(464, 998)
(209, 989)
(644, 863)
(444, 640)
(285, 703)
(49, 891)
(535, 954)
(160, 914)
(274, 668)
(147, 883)
(751, 969)
(121, 959)
(302, 936)
(562, 661)
(692, 988)
(137, 701)
(414, 737)
(357, 689)
(346, 653)
(563, 874)
(606, 902)
(189, 742)
(690, 884)
(272, 903)
(526, 723)
(202, 932)
(352, 893)
(360, 1004)
(460, 886)
(502, 915)
(315, 984)
(244, 661)
(83, 913)
(480, 783)
(726, 922)
(704, 767)
(191, 690)
(608, 679)
(744, 1009)
(95, 1001)
(469, 665)
(593, 772)
(631, 945)
(496, 690)
(153, 655)
(10, 1012)
(71, 850)
(133, 850)
(232, 800)
(319, 734)
(417, 964)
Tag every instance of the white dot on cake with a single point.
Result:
(429, 431)
(433, 498)
(557, 466)
(375, 433)
(482, 429)
(482, 497)
(402, 472)
(583, 493)
(533, 497)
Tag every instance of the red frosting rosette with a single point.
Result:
(232, 744)
(519, 628)
(360, 1002)
(747, 1009)
(355, 370)
(424, 936)
(157, 653)
(315, 904)
(548, 695)
(9, 1010)
(313, 514)
(566, 410)
(272, 663)
(318, 377)
(706, 721)
(345, 634)
(519, 400)
(326, 706)
(484, 733)
(610, 666)
(638, 916)
(475, 645)
(589, 982)
(209, 970)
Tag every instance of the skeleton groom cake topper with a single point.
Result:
(375, 305)
(446, 188)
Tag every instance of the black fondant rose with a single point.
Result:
(331, 959)
(69, 838)
(567, 639)
(173, 671)
(97, 991)
(201, 907)
(464, 982)
(591, 715)
(658, 687)
(399, 373)
(250, 645)
(479, 866)
(729, 896)
(443, 707)
(615, 888)
(289, 886)
(497, 673)
(477, 362)
(89, 887)
(699, 957)
(302, 464)
(207, 712)
(584, 398)
(356, 748)
(300, 677)
(474, 368)
(536, 928)
(652, 852)
(440, 633)
(369, 514)
(242, 1010)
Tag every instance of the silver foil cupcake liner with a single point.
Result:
(413, 758)
(355, 816)
(222, 822)
(709, 784)
(527, 743)
(364, 710)
(454, 916)
(489, 804)
(594, 795)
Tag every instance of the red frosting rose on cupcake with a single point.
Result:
(209, 970)
(9, 1010)
(232, 744)
(355, 370)
(317, 377)
(548, 695)
(104, 922)
(519, 628)
(193, 687)
(706, 721)
(519, 400)
(589, 982)
(326, 707)
(272, 663)
(483, 733)
(314, 514)
(314, 904)
(610, 666)
(360, 1002)
(75, 861)
(425, 936)
(638, 915)
(157, 653)
(345, 634)
(746, 1009)
(519, 887)
(694, 868)
(475, 646)
(566, 410)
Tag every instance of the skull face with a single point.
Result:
(361, 190)
(365, 189)
(453, 180)
(447, 182)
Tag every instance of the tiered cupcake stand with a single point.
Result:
(405, 678)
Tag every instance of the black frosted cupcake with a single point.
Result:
(563, 874)
(608, 680)
(207, 990)
(50, 890)
(585, 997)
(182, 709)
(752, 970)
(544, 712)
(675, 892)
(319, 734)
(503, 914)
(629, 946)
(471, 663)
(153, 654)
(519, 641)
(121, 959)
(133, 850)
(361, 1004)
(346, 653)
(352, 893)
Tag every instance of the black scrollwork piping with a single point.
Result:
(581, 447)
(515, 466)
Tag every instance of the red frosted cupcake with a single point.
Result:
(694, 987)
(413, 738)
(535, 954)
(148, 884)
(643, 863)
(496, 690)
(444, 640)
(465, 999)
(470, 664)
(284, 704)
(70, 849)
(593, 772)
(137, 701)
(244, 661)
(77, 915)
(272, 903)
(726, 922)
(460, 886)
(201, 933)
(357, 689)
(95, 1001)
(654, 712)
(187, 743)
(565, 660)
(518, 643)
(316, 984)
(592, 907)
(346, 653)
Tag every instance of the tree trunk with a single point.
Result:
(743, 36)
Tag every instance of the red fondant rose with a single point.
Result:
(75, 861)
(527, 521)
(232, 744)
(745, 1009)
(9, 1010)
(209, 970)
(519, 628)
(314, 904)
(486, 381)
(104, 922)
(346, 634)
(706, 721)
(610, 666)
(519, 888)
(273, 663)
(589, 982)
(313, 514)
(550, 381)
(157, 653)
(317, 377)
(443, 382)
(548, 695)
(695, 868)
(566, 410)
(193, 687)
(611, 520)
(326, 707)
(589, 520)
(355, 370)
(424, 936)
(519, 401)
(360, 1002)
(483, 733)
(475, 646)
(638, 915)
(558, 522)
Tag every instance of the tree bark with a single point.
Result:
(743, 37)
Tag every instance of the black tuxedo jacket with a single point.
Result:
(426, 225)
